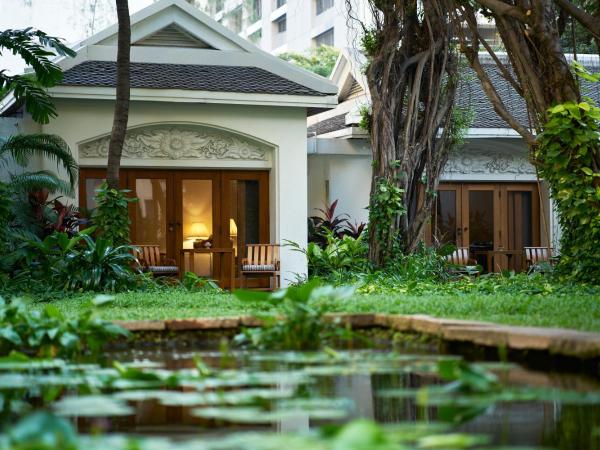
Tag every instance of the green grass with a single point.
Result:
(577, 308)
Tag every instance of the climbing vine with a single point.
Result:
(111, 216)
(385, 208)
(568, 158)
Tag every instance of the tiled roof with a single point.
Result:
(327, 125)
(242, 79)
(471, 94)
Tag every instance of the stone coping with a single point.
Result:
(557, 341)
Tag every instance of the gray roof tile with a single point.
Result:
(242, 79)
(327, 125)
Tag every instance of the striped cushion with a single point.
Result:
(258, 267)
(163, 269)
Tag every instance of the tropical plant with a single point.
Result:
(111, 216)
(77, 263)
(121, 112)
(567, 157)
(195, 283)
(48, 333)
(36, 48)
(319, 60)
(299, 323)
(328, 222)
(339, 255)
(21, 148)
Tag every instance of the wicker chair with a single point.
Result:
(261, 260)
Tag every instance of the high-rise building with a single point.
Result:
(279, 26)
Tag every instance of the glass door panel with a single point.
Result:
(446, 216)
(197, 224)
(480, 221)
(245, 213)
(522, 221)
(150, 225)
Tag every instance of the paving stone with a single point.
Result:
(432, 325)
(250, 321)
(208, 323)
(359, 320)
(480, 335)
(142, 325)
(399, 322)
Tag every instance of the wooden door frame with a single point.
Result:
(457, 187)
(174, 212)
(157, 174)
(262, 176)
(496, 213)
(535, 209)
(215, 178)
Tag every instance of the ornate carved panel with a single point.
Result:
(475, 161)
(179, 142)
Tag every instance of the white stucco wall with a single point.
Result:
(283, 128)
(349, 180)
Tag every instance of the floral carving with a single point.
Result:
(475, 161)
(178, 142)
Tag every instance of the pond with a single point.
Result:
(196, 399)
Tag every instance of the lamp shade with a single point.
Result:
(198, 230)
(232, 228)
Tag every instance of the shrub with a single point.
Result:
(76, 263)
(328, 222)
(338, 255)
(48, 333)
(111, 216)
(302, 326)
(567, 157)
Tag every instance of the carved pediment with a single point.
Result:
(179, 142)
(469, 161)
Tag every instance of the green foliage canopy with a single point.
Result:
(320, 60)
(36, 48)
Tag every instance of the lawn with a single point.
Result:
(577, 308)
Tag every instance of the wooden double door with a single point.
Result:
(177, 208)
(486, 217)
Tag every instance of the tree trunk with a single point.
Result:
(121, 114)
(412, 76)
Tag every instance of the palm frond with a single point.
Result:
(22, 147)
(43, 179)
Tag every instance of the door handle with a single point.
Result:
(171, 228)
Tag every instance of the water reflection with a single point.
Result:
(523, 423)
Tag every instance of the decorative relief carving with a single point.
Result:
(178, 142)
(474, 161)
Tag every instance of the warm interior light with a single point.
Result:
(232, 228)
(198, 230)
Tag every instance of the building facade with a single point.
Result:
(489, 199)
(216, 141)
(279, 26)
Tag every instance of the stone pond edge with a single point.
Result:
(557, 341)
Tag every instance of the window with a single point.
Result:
(325, 38)
(255, 11)
(282, 24)
(280, 3)
(234, 20)
(255, 37)
(323, 5)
